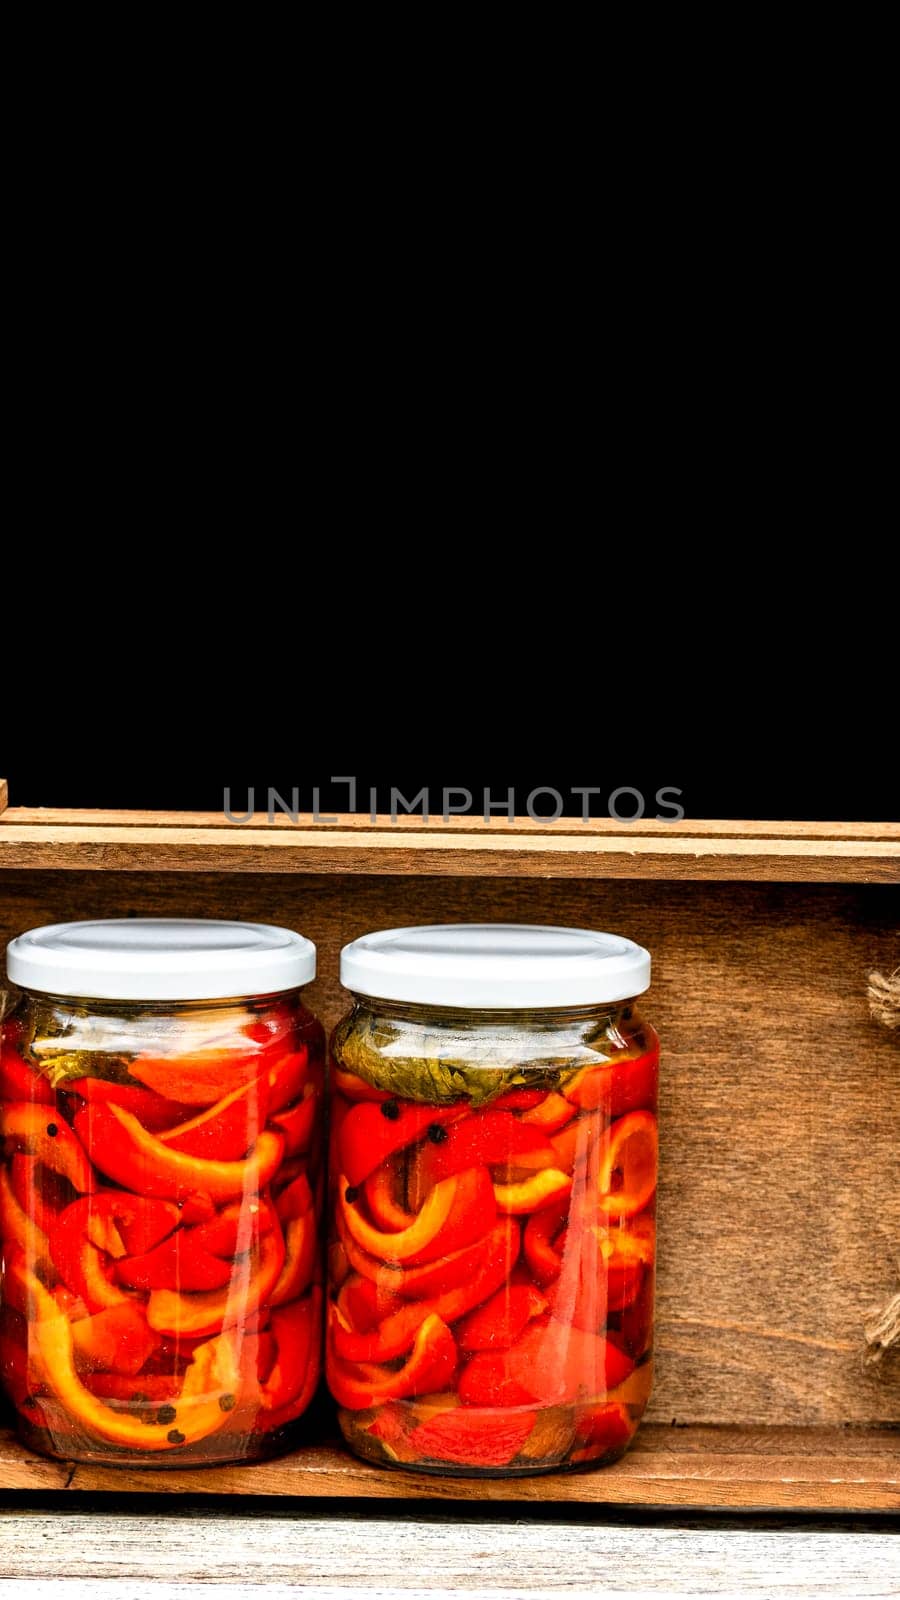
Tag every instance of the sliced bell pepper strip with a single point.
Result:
(178, 1263)
(17, 1227)
(150, 1387)
(501, 1320)
(430, 1366)
(347, 1083)
(153, 1110)
(382, 1203)
(471, 1438)
(226, 1130)
(395, 1335)
(544, 1189)
(200, 1078)
(18, 1375)
(253, 1278)
(550, 1440)
(288, 1078)
(625, 1083)
(370, 1133)
(518, 1100)
(574, 1142)
(213, 1371)
(628, 1161)
(601, 1429)
(295, 1199)
(553, 1363)
(458, 1211)
(552, 1114)
(414, 1283)
(298, 1124)
(126, 1152)
(40, 1132)
(300, 1252)
(117, 1339)
(82, 1264)
(19, 1081)
(234, 1229)
(196, 1208)
(33, 1186)
(541, 1229)
(365, 1304)
(489, 1139)
(302, 1337)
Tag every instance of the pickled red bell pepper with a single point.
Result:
(38, 1131)
(151, 1109)
(111, 1222)
(126, 1152)
(226, 1130)
(117, 1339)
(381, 1200)
(491, 1139)
(471, 1438)
(39, 1191)
(627, 1166)
(354, 1088)
(626, 1083)
(553, 1112)
(501, 1320)
(200, 1078)
(544, 1260)
(297, 1124)
(19, 1081)
(458, 1211)
(418, 1283)
(370, 1133)
(288, 1079)
(253, 1279)
(429, 1368)
(394, 1336)
(178, 1263)
(209, 1384)
(300, 1253)
(532, 1194)
(295, 1331)
(235, 1228)
(601, 1429)
(17, 1227)
(295, 1199)
(552, 1364)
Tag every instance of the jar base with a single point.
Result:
(379, 1457)
(265, 1448)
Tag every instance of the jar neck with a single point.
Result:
(473, 1016)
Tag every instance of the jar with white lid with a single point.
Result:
(493, 1194)
(160, 1098)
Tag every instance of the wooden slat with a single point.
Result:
(780, 1101)
(820, 853)
(4, 794)
(225, 1556)
(782, 1468)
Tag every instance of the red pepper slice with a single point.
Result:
(470, 1437)
(532, 1194)
(600, 1430)
(253, 1279)
(518, 1100)
(40, 1192)
(487, 1139)
(395, 1335)
(416, 1283)
(298, 1124)
(288, 1078)
(365, 1304)
(32, 1128)
(82, 1264)
(552, 1114)
(18, 1080)
(235, 1229)
(553, 1363)
(296, 1199)
(151, 1109)
(501, 1320)
(150, 1387)
(300, 1255)
(628, 1162)
(126, 1152)
(429, 1368)
(17, 1227)
(227, 1129)
(540, 1231)
(382, 1202)
(200, 1078)
(458, 1211)
(117, 1339)
(367, 1136)
(298, 1335)
(347, 1083)
(180, 1262)
(626, 1083)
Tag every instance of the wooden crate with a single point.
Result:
(780, 1107)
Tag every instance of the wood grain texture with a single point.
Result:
(128, 842)
(719, 1468)
(432, 1556)
(4, 794)
(780, 1102)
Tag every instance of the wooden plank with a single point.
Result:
(780, 1468)
(4, 794)
(581, 851)
(780, 1102)
(224, 1557)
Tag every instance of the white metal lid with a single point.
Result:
(495, 964)
(160, 958)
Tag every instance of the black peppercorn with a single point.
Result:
(390, 1109)
(166, 1414)
(351, 1194)
(436, 1133)
(226, 1402)
(175, 1437)
(52, 1130)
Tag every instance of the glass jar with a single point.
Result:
(161, 1087)
(493, 1187)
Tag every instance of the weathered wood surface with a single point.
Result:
(780, 1102)
(159, 1558)
(793, 1469)
(4, 794)
(173, 842)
